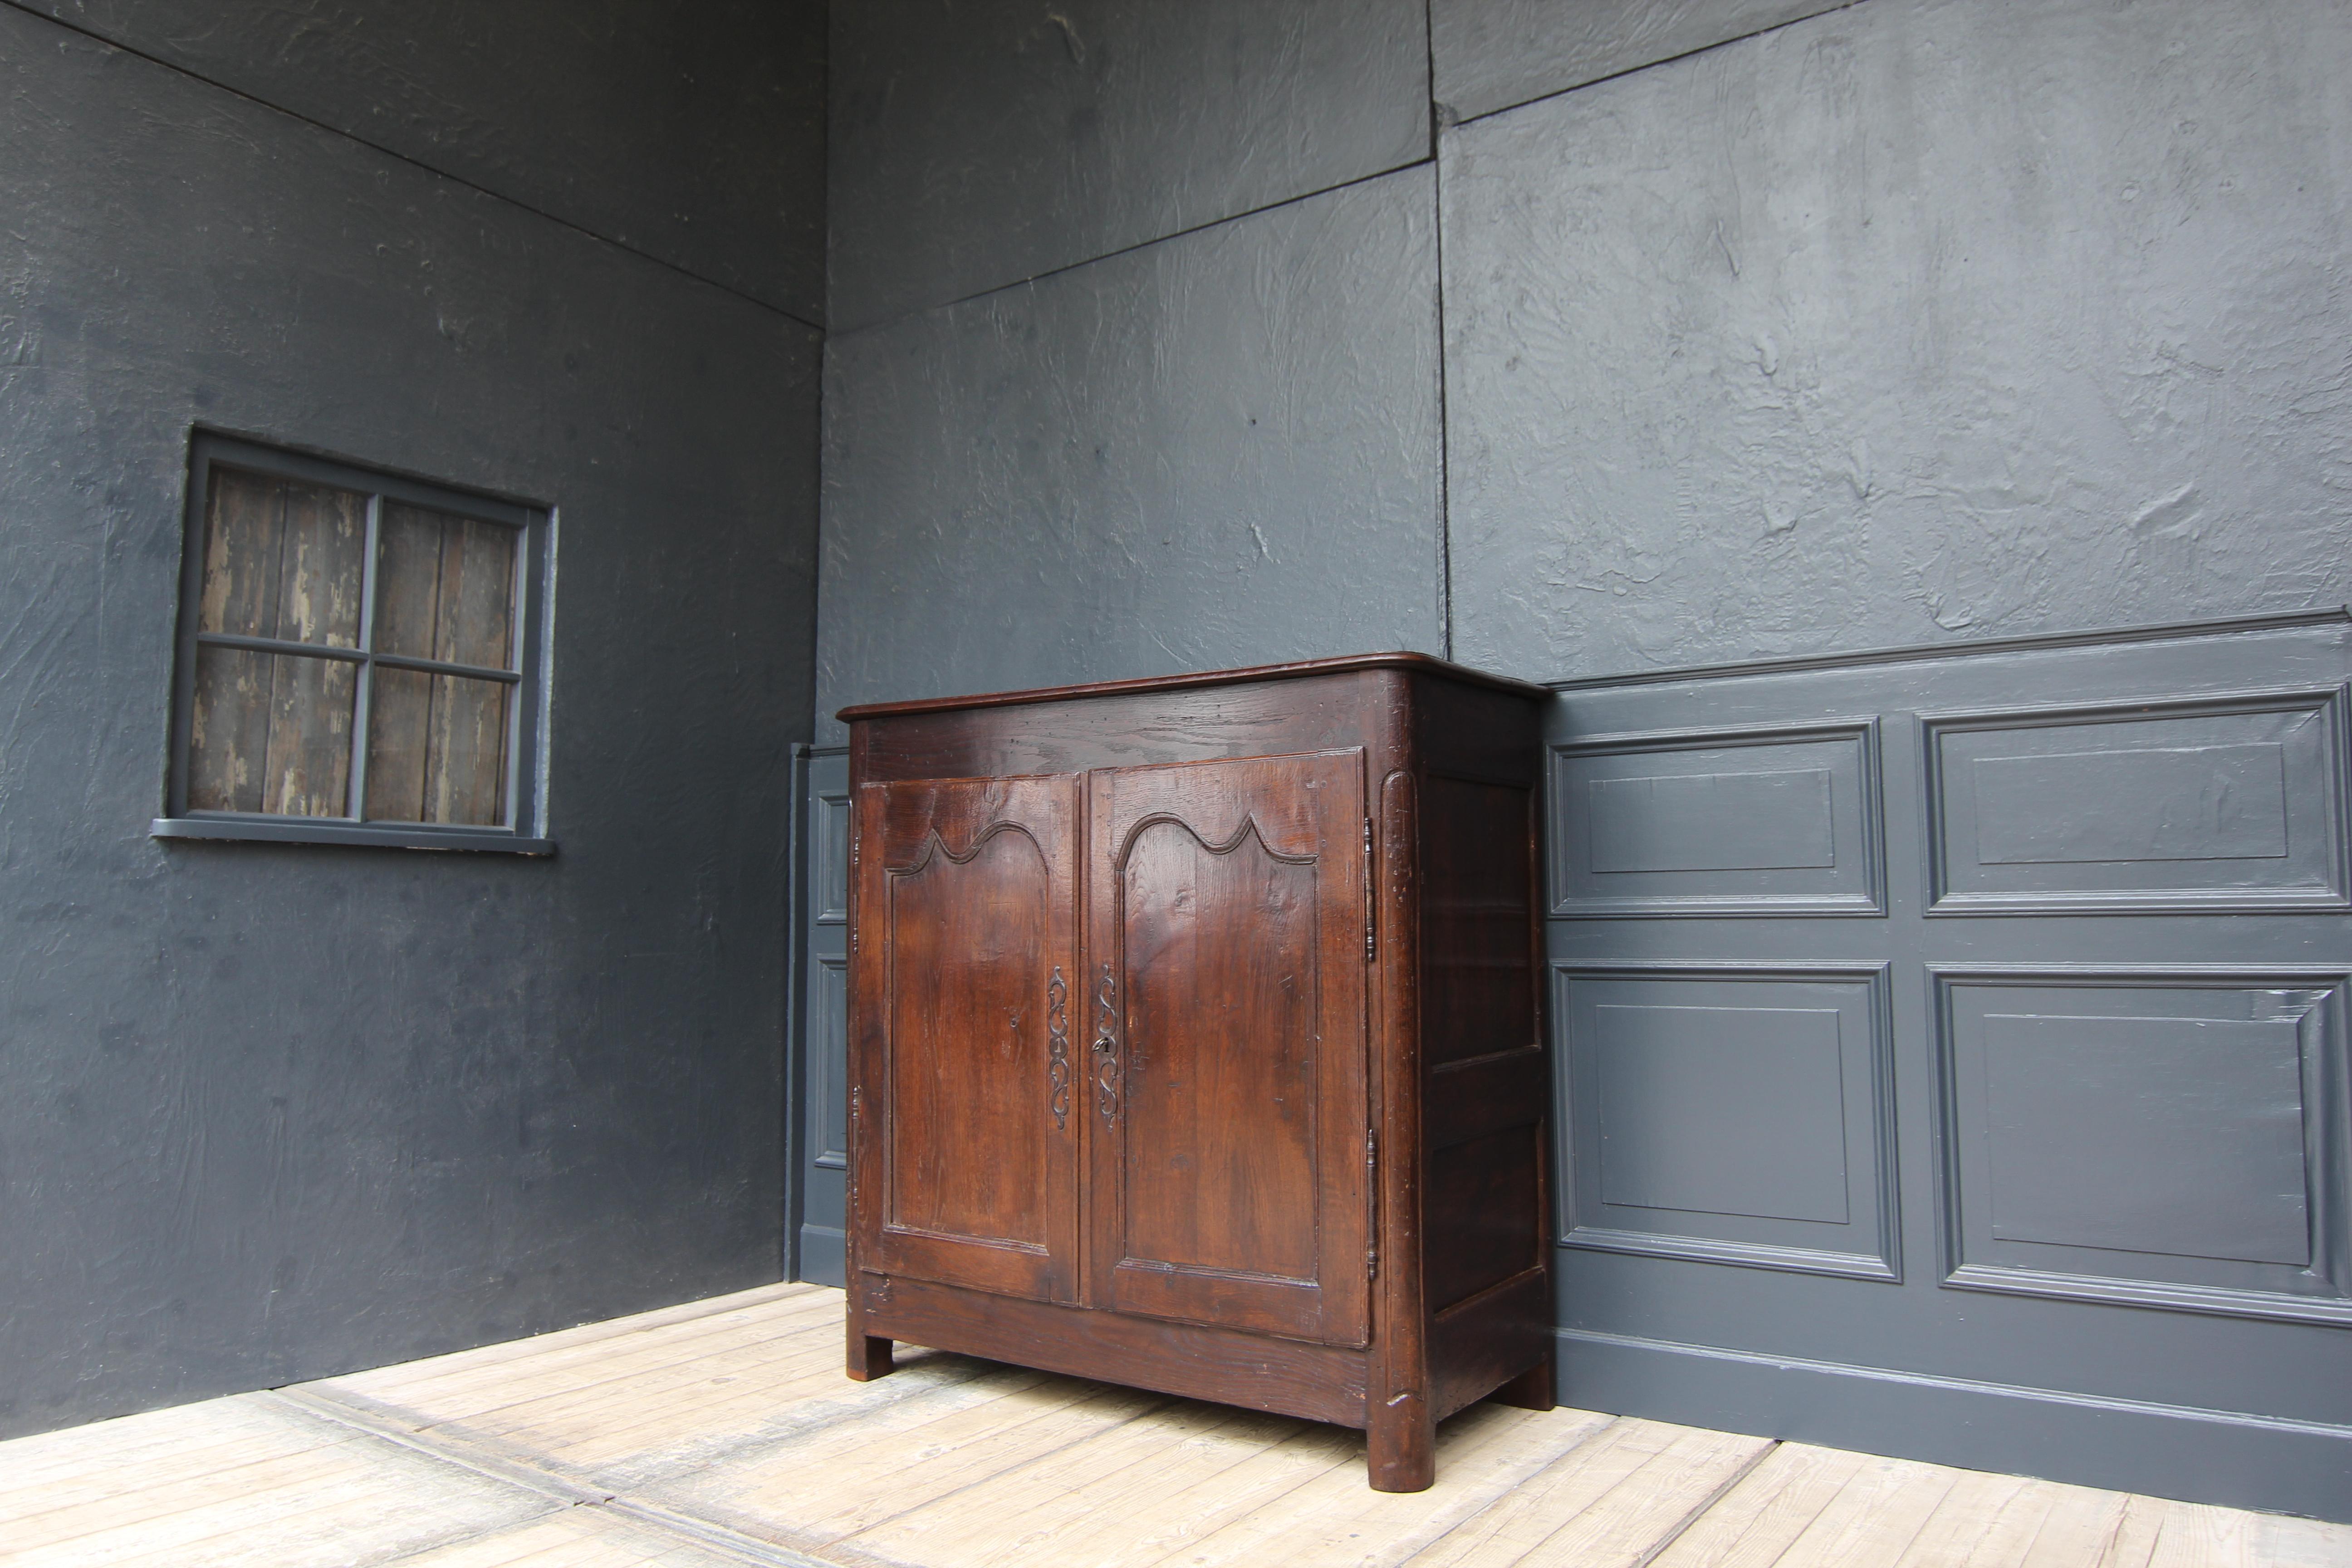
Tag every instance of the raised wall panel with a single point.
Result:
(1759, 822)
(2234, 804)
(828, 1049)
(829, 846)
(1734, 1114)
(2148, 1138)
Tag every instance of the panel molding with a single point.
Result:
(1741, 1254)
(2331, 1249)
(1885, 1264)
(2336, 616)
(1863, 733)
(829, 845)
(829, 1062)
(2333, 701)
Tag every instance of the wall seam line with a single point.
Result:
(25, 7)
(1445, 419)
(1645, 65)
(1202, 227)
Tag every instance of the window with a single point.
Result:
(359, 659)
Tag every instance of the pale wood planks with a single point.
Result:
(301, 1490)
(1610, 1501)
(714, 1426)
(575, 1538)
(584, 1370)
(1329, 1517)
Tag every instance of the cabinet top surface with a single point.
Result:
(1423, 663)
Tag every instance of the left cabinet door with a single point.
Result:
(965, 1114)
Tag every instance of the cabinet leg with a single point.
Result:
(1400, 1446)
(870, 1355)
(1534, 1389)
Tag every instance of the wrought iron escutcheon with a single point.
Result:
(1106, 1049)
(1057, 1049)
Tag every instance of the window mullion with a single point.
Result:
(360, 702)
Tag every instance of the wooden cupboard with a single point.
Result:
(1195, 1040)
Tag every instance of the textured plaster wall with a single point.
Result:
(1919, 320)
(975, 145)
(693, 134)
(1209, 436)
(269, 1112)
(1219, 450)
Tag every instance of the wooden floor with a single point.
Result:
(723, 1432)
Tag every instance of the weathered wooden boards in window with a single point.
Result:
(273, 731)
(1194, 1040)
(286, 562)
(436, 744)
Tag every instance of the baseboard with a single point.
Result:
(824, 1256)
(2200, 1456)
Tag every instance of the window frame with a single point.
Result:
(525, 832)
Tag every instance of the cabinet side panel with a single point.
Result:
(1485, 1227)
(1478, 978)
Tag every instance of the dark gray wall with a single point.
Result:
(271, 1112)
(692, 134)
(1921, 320)
(1219, 450)
(1769, 327)
(1206, 446)
(978, 145)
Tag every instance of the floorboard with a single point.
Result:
(722, 1432)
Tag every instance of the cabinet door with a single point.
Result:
(1224, 1017)
(965, 1118)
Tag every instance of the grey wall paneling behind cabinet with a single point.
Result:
(823, 1021)
(2041, 1163)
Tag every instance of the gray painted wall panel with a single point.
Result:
(2231, 804)
(1492, 54)
(824, 1088)
(269, 1112)
(2113, 1133)
(978, 143)
(1768, 822)
(692, 133)
(1921, 320)
(1220, 449)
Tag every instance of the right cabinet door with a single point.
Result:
(1225, 1004)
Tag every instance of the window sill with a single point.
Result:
(378, 836)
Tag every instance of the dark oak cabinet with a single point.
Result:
(1196, 1041)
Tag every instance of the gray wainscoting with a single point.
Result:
(1952, 1056)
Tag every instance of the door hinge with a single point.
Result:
(1369, 950)
(1372, 1203)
